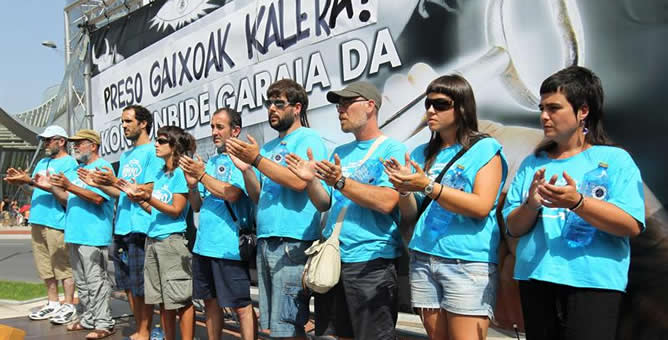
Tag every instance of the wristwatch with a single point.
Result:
(429, 188)
(340, 183)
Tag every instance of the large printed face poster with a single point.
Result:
(185, 59)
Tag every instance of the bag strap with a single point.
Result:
(342, 213)
(427, 200)
(232, 214)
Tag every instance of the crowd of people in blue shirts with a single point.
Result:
(573, 205)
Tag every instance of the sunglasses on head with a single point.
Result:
(279, 103)
(438, 104)
(162, 140)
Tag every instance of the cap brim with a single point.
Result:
(78, 138)
(334, 96)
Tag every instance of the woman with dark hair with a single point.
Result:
(574, 204)
(167, 267)
(454, 245)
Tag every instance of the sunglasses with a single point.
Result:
(50, 139)
(343, 106)
(279, 103)
(438, 104)
(162, 141)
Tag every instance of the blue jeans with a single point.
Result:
(283, 301)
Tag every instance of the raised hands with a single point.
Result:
(86, 176)
(59, 180)
(17, 176)
(304, 169)
(193, 169)
(328, 172)
(554, 196)
(104, 176)
(134, 192)
(401, 176)
(246, 152)
(43, 181)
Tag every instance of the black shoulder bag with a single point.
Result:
(247, 238)
(427, 199)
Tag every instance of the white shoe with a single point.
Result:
(46, 312)
(65, 314)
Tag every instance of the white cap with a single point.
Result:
(53, 130)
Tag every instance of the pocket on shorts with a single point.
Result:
(478, 270)
(295, 306)
(178, 290)
(295, 251)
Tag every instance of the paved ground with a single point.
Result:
(16, 263)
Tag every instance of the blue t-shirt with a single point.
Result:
(88, 223)
(166, 185)
(218, 233)
(45, 209)
(366, 234)
(543, 253)
(282, 212)
(141, 165)
(464, 238)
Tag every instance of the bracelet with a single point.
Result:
(257, 160)
(439, 193)
(579, 204)
(200, 177)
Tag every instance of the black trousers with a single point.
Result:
(559, 312)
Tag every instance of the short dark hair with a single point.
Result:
(581, 87)
(233, 115)
(294, 93)
(142, 114)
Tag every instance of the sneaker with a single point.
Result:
(65, 314)
(46, 312)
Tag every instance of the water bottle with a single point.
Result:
(271, 189)
(369, 172)
(438, 219)
(595, 184)
(123, 256)
(157, 333)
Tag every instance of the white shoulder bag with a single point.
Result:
(323, 267)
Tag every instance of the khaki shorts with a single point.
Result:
(52, 259)
(168, 272)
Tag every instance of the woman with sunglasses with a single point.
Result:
(574, 204)
(167, 267)
(454, 245)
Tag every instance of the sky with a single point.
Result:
(27, 68)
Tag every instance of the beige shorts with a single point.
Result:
(168, 272)
(52, 258)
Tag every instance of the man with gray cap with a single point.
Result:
(47, 217)
(364, 304)
(88, 229)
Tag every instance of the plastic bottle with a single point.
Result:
(123, 255)
(577, 232)
(271, 189)
(157, 333)
(438, 219)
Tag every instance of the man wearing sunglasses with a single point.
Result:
(360, 198)
(88, 241)
(139, 166)
(287, 222)
(47, 217)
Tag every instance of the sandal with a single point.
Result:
(76, 326)
(100, 333)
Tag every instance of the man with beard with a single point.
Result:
(138, 165)
(220, 275)
(47, 217)
(287, 222)
(88, 241)
(362, 207)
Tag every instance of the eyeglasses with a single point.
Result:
(162, 141)
(79, 143)
(279, 103)
(343, 106)
(438, 104)
(50, 139)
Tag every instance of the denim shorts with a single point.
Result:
(283, 300)
(457, 286)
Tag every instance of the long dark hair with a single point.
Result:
(181, 142)
(581, 87)
(461, 93)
